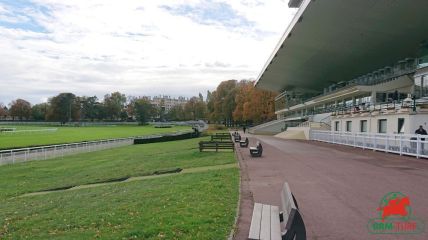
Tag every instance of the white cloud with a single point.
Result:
(133, 46)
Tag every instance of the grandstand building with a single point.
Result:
(358, 66)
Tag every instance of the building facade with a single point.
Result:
(166, 102)
(355, 65)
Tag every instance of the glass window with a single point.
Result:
(336, 126)
(382, 126)
(421, 86)
(381, 97)
(363, 126)
(349, 126)
(400, 125)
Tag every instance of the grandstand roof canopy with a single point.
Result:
(330, 41)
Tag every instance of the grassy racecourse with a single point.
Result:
(192, 205)
(76, 134)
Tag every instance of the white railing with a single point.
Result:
(12, 156)
(28, 131)
(319, 125)
(20, 123)
(18, 155)
(403, 144)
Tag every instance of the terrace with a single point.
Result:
(338, 92)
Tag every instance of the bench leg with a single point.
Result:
(297, 230)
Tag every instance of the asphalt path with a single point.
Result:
(338, 188)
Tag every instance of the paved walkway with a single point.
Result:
(338, 188)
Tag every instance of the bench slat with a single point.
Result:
(275, 227)
(265, 224)
(255, 222)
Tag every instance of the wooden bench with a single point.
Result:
(223, 134)
(213, 145)
(244, 143)
(237, 138)
(257, 150)
(220, 138)
(266, 220)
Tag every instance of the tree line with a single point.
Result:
(231, 102)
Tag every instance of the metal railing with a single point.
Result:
(12, 156)
(48, 123)
(319, 125)
(403, 144)
(46, 130)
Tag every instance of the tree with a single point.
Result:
(100, 111)
(130, 111)
(252, 104)
(162, 110)
(3, 111)
(176, 113)
(115, 105)
(195, 109)
(221, 103)
(89, 107)
(20, 108)
(240, 102)
(39, 111)
(144, 110)
(64, 107)
(244, 93)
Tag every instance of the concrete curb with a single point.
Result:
(235, 224)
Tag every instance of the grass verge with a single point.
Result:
(190, 205)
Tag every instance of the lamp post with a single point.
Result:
(414, 103)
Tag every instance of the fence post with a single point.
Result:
(387, 143)
(355, 141)
(418, 145)
(401, 145)
(363, 136)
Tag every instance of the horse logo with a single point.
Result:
(395, 206)
(395, 216)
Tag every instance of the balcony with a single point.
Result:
(380, 76)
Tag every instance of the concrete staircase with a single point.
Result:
(269, 128)
(302, 131)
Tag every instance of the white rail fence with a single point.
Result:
(12, 156)
(403, 144)
(12, 132)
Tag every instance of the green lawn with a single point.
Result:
(76, 134)
(199, 205)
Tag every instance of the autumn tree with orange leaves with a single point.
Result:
(240, 102)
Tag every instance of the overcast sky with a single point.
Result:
(137, 47)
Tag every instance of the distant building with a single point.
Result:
(166, 102)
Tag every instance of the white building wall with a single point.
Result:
(418, 120)
(411, 123)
